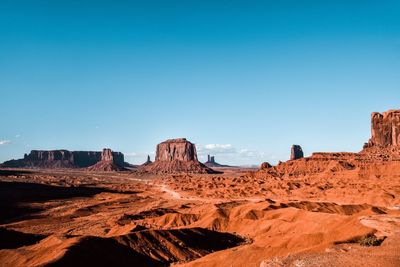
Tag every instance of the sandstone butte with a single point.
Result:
(296, 152)
(176, 156)
(385, 129)
(107, 162)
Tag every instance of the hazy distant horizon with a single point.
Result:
(243, 80)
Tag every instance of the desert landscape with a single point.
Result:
(77, 208)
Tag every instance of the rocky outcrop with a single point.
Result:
(108, 162)
(385, 129)
(148, 161)
(383, 147)
(265, 165)
(176, 156)
(213, 164)
(296, 152)
(107, 155)
(176, 149)
(61, 159)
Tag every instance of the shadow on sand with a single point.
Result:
(15, 197)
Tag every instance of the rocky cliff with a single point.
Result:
(176, 156)
(382, 148)
(385, 129)
(176, 149)
(61, 159)
(110, 161)
(296, 152)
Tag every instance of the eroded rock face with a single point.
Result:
(63, 159)
(385, 129)
(296, 152)
(107, 155)
(50, 155)
(175, 156)
(109, 162)
(265, 165)
(176, 149)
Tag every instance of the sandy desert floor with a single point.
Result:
(340, 217)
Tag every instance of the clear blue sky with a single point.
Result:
(242, 79)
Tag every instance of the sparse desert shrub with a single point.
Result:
(371, 240)
(368, 240)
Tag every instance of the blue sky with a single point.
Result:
(244, 80)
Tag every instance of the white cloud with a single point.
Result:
(228, 154)
(250, 153)
(218, 146)
(17, 136)
(5, 142)
(216, 149)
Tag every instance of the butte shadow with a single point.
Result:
(15, 198)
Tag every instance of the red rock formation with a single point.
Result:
(176, 149)
(265, 165)
(107, 155)
(148, 161)
(107, 163)
(296, 152)
(175, 156)
(62, 159)
(385, 129)
(211, 163)
(383, 147)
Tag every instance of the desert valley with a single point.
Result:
(85, 208)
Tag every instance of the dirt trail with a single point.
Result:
(176, 195)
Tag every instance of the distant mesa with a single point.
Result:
(55, 159)
(213, 164)
(107, 162)
(296, 152)
(176, 156)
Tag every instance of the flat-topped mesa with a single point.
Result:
(62, 159)
(385, 129)
(50, 155)
(296, 152)
(176, 149)
(176, 156)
